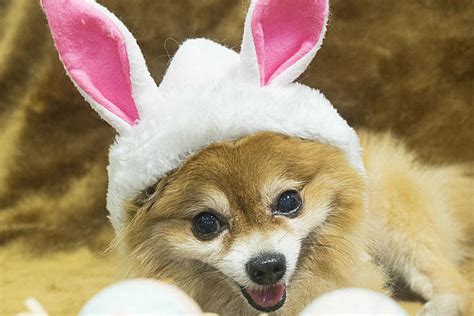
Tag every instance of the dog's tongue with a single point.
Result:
(269, 296)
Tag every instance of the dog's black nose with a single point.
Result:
(266, 269)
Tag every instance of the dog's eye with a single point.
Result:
(206, 225)
(288, 203)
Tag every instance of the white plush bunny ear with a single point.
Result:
(102, 58)
(281, 38)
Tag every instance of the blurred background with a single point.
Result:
(404, 66)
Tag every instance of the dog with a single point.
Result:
(248, 190)
(269, 222)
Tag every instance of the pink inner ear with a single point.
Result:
(284, 31)
(93, 51)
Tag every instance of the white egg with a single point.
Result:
(354, 301)
(140, 297)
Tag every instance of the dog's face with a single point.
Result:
(247, 215)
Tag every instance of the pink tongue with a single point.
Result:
(269, 296)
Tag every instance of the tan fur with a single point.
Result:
(413, 226)
(423, 218)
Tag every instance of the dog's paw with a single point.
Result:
(443, 305)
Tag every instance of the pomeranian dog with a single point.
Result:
(269, 222)
(249, 191)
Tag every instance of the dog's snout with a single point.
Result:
(266, 269)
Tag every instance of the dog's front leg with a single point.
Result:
(431, 275)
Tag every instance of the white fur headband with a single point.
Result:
(209, 93)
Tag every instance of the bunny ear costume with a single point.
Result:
(209, 94)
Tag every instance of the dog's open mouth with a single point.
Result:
(267, 299)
